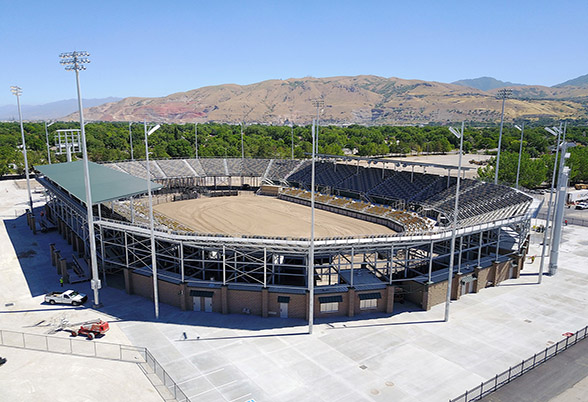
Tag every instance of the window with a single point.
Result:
(330, 307)
(368, 304)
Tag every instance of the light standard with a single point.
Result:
(311, 251)
(17, 91)
(242, 148)
(75, 61)
(292, 133)
(196, 138)
(318, 103)
(454, 224)
(151, 225)
(503, 93)
(47, 139)
(131, 140)
(557, 132)
(522, 130)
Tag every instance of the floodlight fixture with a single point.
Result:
(455, 132)
(153, 129)
(553, 131)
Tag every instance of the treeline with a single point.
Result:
(111, 142)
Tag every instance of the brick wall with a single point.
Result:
(169, 293)
(142, 285)
(296, 308)
(343, 306)
(240, 299)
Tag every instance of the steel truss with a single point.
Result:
(265, 262)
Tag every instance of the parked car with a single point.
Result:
(68, 297)
(582, 205)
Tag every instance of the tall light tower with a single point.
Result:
(311, 251)
(557, 132)
(196, 138)
(131, 140)
(502, 94)
(318, 103)
(17, 91)
(47, 140)
(74, 61)
(242, 148)
(522, 130)
(292, 134)
(454, 224)
(148, 132)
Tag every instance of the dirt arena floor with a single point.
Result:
(250, 214)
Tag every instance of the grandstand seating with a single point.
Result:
(213, 167)
(175, 168)
(279, 169)
(255, 167)
(363, 180)
(234, 166)
(478, 202)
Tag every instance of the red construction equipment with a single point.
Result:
(92, 329)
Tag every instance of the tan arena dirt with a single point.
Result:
(250, 214)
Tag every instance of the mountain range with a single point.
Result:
(364, 99)
(49, 111)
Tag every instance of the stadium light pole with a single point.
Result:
(151, 224)
(522, 130)
(503, 93)
(17, 91)
(318, 103)
(131, 140)
(242, 147)
(47, 140)
(75, 61)
(292, 134)
(196, 138)
(556, 132)
(454, 224)
(311, 251)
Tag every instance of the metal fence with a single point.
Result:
(524, 366)
(101, 350)
(571, 220)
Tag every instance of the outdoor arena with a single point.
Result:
(233, 235)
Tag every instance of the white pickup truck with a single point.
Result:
(68, 297)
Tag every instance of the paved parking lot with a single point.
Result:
(410, 356)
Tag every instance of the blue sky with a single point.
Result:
(155, 48)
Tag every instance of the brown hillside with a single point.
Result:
(360, 99)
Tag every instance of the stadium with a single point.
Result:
(233, 235)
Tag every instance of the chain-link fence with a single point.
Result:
(513, 372)
(101, 350)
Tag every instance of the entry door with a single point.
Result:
(208, 304)
(283, 310)
(510, 271)
(196, 300)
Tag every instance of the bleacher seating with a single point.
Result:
(175, 168)
(363, 180)
(235, 166)
(255, 167)
(280, 168)
(213, 167)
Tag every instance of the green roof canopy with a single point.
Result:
(107, 184)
